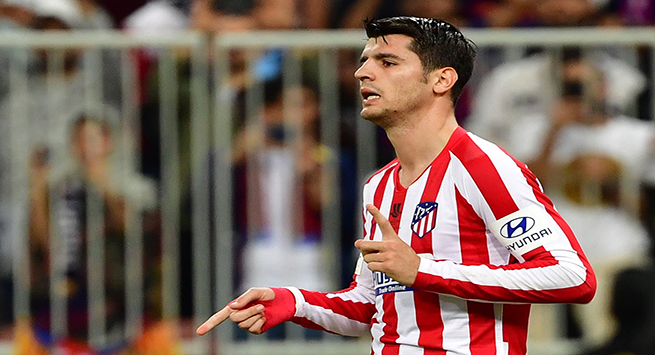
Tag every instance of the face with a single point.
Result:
(90, 143)
(392, 82)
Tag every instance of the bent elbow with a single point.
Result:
(587, 290)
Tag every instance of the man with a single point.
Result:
(458, 239)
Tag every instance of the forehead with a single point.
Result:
(395, 43)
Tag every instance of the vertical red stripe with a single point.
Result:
(426, 304)
(379, 194)
(390, 315)
(515, 327)
(473, 244)
(390, 320)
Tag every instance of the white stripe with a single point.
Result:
(456, 335)
(534, 279)
(377, 328)
(334, 322)
(300, 300)
(447, 244)
(410, 350)
(407, 327)
(501, 347)
(431, 219)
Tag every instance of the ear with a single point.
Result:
(444, 79)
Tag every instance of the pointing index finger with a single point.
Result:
(382, 221)
(218, 318)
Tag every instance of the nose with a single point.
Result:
(364, 72)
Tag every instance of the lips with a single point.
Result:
(369, 95)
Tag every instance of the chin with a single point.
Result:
(379, 118)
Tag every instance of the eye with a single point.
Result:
(386, 63)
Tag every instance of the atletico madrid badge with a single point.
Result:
(425, 218)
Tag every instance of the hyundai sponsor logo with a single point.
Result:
(517, 227)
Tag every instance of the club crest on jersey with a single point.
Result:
(425, 218)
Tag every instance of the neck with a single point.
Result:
(418, 145)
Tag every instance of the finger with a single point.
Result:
(368, 247)
(257, 327)
(242, 315)
(383, 222)
(373, 258)
(253, 294)
(218, 318)
(246, 324)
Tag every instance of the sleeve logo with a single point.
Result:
(524, 230)
(517, 227)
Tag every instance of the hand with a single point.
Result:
(392, 255)
(566, 111)
(244, 311)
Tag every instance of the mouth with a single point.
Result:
(369, 96)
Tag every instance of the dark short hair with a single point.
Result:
(436, 42)
(77, 124)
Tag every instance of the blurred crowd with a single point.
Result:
(580, 117)
(232, 15)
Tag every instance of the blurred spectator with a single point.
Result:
(119, 10)
(281, 166)
(448, 10)
(530, 86)
(582, 120)
(501, 13)
(92, 178)
(43, 100)
(631, 12)
(159, 16)
(591, 159)
(94, 16)
(565, 13)
(216, 16)
(633, 306)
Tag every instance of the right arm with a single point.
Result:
(346, 312)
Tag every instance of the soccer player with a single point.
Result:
(459, 237)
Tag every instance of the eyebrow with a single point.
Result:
(379, 56)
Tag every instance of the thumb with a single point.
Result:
(250, 296)
(382, 222)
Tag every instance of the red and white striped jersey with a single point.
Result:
(491, 243)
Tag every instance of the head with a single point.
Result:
(584, 84)
(289, 109)
(433, 48)
(91, 140)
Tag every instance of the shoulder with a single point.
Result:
(485, 163)
(477, 153)
(381, 172)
